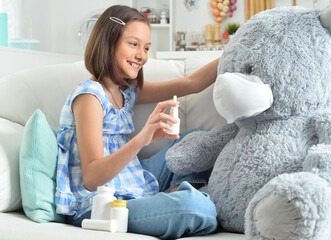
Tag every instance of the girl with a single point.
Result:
(93, 137)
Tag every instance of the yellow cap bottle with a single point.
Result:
(120, 214)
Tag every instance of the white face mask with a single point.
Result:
(237, 96)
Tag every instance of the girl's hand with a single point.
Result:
(155, 129)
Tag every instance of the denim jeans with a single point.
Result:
(186, 212)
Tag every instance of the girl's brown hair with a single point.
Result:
(101, 46)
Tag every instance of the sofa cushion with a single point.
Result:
(200, 110)
(44, 88)
(38, 157)
(10, 140)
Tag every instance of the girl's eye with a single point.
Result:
(249, 69)
(147, 49)
(133, 43)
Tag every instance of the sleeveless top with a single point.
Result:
(71, 197)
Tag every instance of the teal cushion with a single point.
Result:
(38, 158)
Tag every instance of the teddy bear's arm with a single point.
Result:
(198, 151)
(318, 159)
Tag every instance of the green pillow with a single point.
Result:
(38, 159)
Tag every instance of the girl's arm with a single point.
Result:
(97, 169)
(194, 83)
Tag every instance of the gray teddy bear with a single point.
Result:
(271, 167)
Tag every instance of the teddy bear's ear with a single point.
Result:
(325, 18)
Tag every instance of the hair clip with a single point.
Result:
(117, 20)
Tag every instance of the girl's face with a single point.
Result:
(132, 49)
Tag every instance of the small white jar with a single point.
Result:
(102, 203)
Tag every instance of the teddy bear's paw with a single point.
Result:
(284, 221)
(290, 207)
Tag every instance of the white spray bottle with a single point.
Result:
(174, 114)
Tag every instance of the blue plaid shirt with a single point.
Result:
(72, 198)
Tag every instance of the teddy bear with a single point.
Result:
(271, 163)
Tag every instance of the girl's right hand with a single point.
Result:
(155, 129)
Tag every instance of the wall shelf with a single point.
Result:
(180, 55)
(161, 34)
(160, 26)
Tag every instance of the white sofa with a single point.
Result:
(46, 88)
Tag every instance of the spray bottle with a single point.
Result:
(174, 114)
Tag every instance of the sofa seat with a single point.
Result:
(16, 226)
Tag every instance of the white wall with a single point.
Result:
(59, 24)
(56, 22)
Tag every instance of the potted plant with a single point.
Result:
(231, 28)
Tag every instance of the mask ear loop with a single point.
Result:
(117, 20)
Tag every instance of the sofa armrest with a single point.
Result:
(11, 135)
